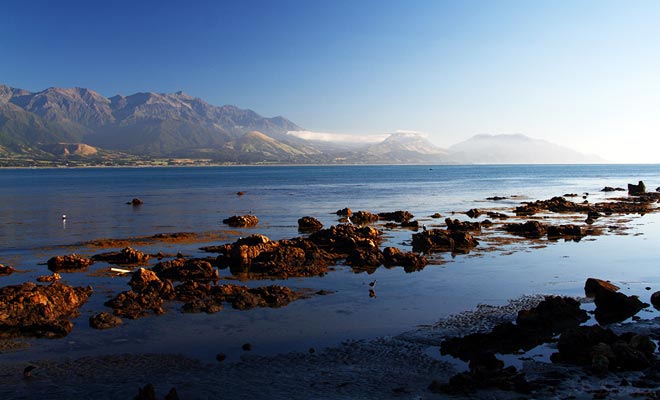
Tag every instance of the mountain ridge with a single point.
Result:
(63, 124)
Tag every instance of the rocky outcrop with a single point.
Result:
(309, 224)
(127, 255)
(42, 311)
(612, 306)
(345, 212)
(612, 189)
(241, 221)
(69, 263)
(636, 190)
(437, 240)
(136, 202)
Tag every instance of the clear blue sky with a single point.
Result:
(584, 74)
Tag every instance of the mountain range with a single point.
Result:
(79, 123)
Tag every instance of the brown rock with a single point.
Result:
(364, 218)
(440, 240)
(42, 311)
(6, 270)
(565, 231)
(530, 229)
(136, 202)
(49, 278)
(473, 213)
(104, 320)
(133, 305)
(126, 256)
(396, 216)
(69, 263)
(181, 269)
(462, 226)
(143, 278)
(309, 224)
(345, 212)
(410, 261)
(241, 221)
(593, 285)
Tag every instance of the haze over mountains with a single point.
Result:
(61, 123)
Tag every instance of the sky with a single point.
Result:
(583, 74)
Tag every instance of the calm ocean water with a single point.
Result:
(197, 199)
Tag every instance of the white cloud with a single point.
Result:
(338, 137)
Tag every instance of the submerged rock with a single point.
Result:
(473, 213)
(6, 270)
(42, 311)
(565, 231)
(104, 320)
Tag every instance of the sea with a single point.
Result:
(49, 212)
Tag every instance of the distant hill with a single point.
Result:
(515, 149)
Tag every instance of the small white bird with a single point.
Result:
(63, 216)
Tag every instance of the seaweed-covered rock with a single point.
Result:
(104, 320)
(42, 311)
(440, 240)
(127, 255)
(69, 263)
(241, 221)
(309, 224)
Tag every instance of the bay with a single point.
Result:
(198, 199)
